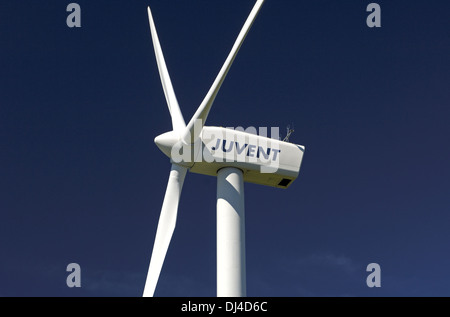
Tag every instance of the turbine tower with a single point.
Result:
(233, 156)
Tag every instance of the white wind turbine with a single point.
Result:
(232, 156)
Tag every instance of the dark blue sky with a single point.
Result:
(82, 181)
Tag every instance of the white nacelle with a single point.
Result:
(263, 160)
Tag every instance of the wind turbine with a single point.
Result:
(233, 156)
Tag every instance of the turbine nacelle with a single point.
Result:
(262, 160)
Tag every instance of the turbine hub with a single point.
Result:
(166, 141)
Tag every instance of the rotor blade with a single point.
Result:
(178, 123)
(202, 112)
(166, 226)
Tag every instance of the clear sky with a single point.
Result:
(81, 180)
